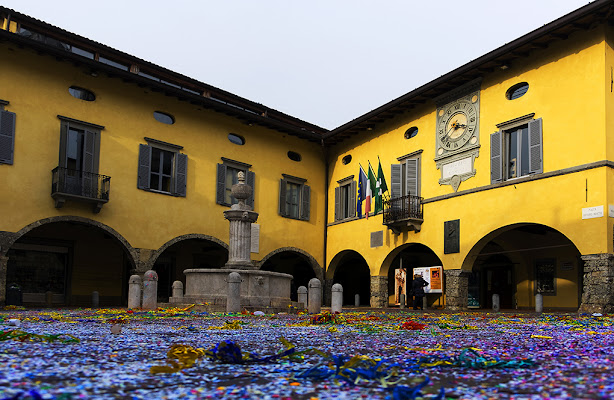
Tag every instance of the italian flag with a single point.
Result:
(369, 191)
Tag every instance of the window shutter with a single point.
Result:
(305, 202)
(395, 181)
(536, 164)
(282, 198)
(90, 187)
(63, 139)
(496, 157)
(337, 203)
(353, 206)
(181, 173)
(412, 176)
(251, 180)
(144, 166)
(220, 193)
(7, 136)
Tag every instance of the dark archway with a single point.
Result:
(352, 272)
(520, 260)
(294, 263)
(186, 252)
(410, 256)
(70, 257)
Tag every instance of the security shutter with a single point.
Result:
(90, 187)
(181, 172)
(220, 194)
(251, 180)
(305, 202)
(411, 166)
(496, 157)
(7, 136)
(353, 206)
(536, 164)
(337, 203)
(395, 181)
(282, 198)
(144, 166)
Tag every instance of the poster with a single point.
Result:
(399, 284)
(433, 276)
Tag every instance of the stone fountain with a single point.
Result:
(259, 289)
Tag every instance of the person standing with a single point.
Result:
(417, 289)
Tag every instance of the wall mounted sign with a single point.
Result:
(592, 212)
(451, 238)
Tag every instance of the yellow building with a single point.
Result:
(498, 172)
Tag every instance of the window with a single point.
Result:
(294, 198)
(164, 117)
(405, 176)
(345, 199)
(79, 155)
(517, 91)
(545, 277)
(81, 94)
(347, 159)
(411, 132)
(516, 149)
(236, 139)
(7, 134)
(227, 176)
(294, 156)
(162, 168)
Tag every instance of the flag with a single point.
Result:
(370, 190)
(362, 181)
(381, 188)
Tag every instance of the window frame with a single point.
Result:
(545, 262)
(303, 200)
(399, 172)
(7, 134)
(345, 199)
(222, 186)
(178, 176)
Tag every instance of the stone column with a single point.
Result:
(3, 267)
(379, 291)
(134, 291)
(336, 302)
(302, 296)
(314, 301)
(241, 218)
(178, 290)
(150, 290)
(233, 299)
(457, 283)
(598, 290)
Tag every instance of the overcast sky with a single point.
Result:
(323, 61)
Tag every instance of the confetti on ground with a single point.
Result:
(162, 354)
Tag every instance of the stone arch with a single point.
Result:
(156, 254)
(317, 269)
(387, 263)
(10, 240)
(351, 270)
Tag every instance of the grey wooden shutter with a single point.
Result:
(63, 140)
(144, 166)
(411, 166)
(7, 136)
(496, 157)
(305, 202)
(536, 164)
(353, 206)
(90, 182)
(220, 194)
(251, 181)
(337, 203)
(282, 198)
(181, 173)
(395, 181)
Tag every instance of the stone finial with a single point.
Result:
(241, 191)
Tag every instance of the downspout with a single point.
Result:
(325, 236)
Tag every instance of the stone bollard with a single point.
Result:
(496, 305)
(336, 302)
(95, 299)
(425, 303)
(302, 296)
(233, 300)
(315, 296)
(178, 289)
(539, 303)
(49, 298)
(356, 300)
(134, 291)
(402, 301)
(150, 290)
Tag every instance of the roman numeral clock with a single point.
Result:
(457, 134)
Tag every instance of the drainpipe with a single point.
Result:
(326, 186)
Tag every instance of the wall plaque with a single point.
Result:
(451, 238)
(377, 239)
(255, 245)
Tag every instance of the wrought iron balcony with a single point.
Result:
(80, 186)
(403, 212)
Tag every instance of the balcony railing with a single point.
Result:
(403, 211)
(79, 185)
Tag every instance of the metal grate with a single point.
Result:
(402, 208)
(80, 183)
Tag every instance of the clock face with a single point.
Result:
(457, 124)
